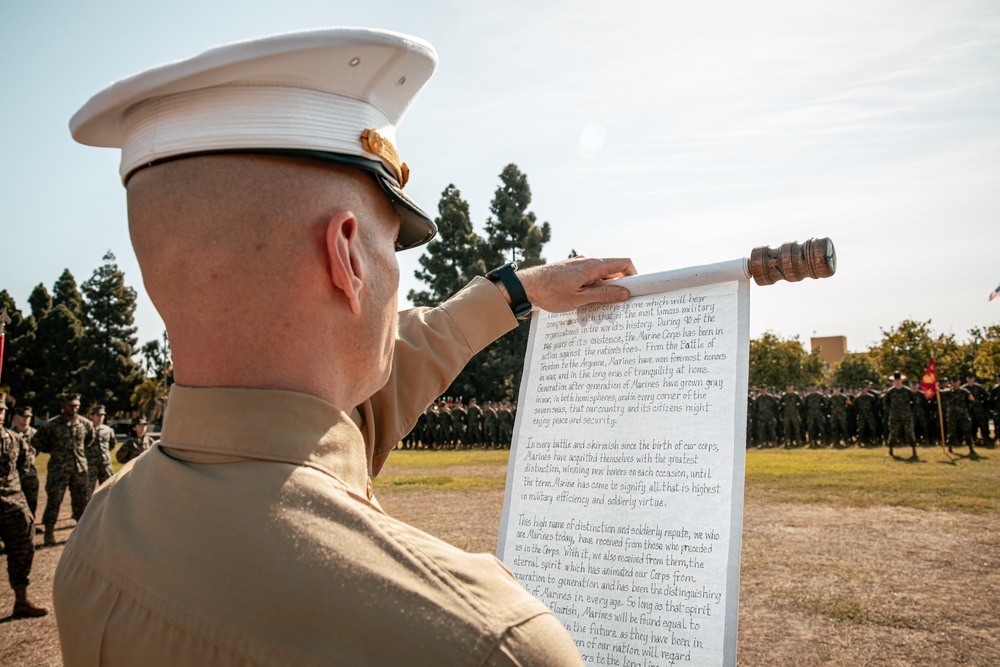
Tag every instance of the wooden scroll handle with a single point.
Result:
(816, 258)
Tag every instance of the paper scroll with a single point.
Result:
(624, 501)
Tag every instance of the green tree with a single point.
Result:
(66, 292)
(58, 344)
(158, 362)
(986, 356)
(40, 301)
(777, 362)
(21, 358)
(150, 398)
(512, 232)
(461, 254)
(909, 347)
(856, 369)
(454, 257)
(512, 235)
(110, 373)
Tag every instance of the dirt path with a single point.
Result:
(820, 585)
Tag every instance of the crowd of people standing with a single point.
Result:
(79, 450)
(450, 424)
(901, 415)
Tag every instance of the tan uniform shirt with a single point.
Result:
(249, 535)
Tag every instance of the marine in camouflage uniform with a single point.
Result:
(839, 402)
(136, 444)
(17, 525)
(766, 406)
(979, 413)
(490, 433)
(791, 418)
(921, 424)
(957, 417)
(867, 406)
(29, 479)
(99, 468)
(474, 423)
(815, 404)
(459, 417)
(505, 426)
(65, 438)
(898, 401)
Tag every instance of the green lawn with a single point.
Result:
(865, 477)
(854, 477)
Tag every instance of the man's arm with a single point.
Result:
(434, 344)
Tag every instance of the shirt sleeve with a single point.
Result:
(432, 347)
(541, 641)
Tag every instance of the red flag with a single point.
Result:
(928, 384)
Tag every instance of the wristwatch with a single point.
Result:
(519, 303)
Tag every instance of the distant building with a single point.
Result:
(831, 348)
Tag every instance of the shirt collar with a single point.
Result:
(265, 424)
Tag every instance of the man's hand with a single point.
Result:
(571, 283)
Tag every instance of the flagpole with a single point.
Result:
(941, 422)
(929, 383)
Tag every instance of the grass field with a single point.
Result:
(849, 477)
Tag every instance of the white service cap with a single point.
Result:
(334, 94)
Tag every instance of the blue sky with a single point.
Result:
(676, 133)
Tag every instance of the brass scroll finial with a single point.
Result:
(816, 258)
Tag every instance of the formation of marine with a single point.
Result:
(451, 424)
(898, 415)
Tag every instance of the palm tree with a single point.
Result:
(150, 398)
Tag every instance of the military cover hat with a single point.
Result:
(23, 411)
(334, 94)
(3, 400)
(137, 421)
(99, 410)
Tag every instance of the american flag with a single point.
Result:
(995, 293)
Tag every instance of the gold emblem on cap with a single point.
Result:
(373, 142)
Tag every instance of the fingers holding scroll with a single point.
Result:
(575, 282)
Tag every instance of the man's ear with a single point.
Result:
(342, 243)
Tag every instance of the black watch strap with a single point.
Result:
(519, 303)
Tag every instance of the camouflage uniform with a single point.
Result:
(474, 424)
(490, 434)
(29, 479)
(899, 406)
(957, 417)
(17, 526)
(66, 441)
(791, 419)
(921, 425)
(505, 426)
(815, 417)
(867, 406)
(459, 417)
(133, 447)
(99, 467)
(766, 407)
(979, 410)
(839, 403)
